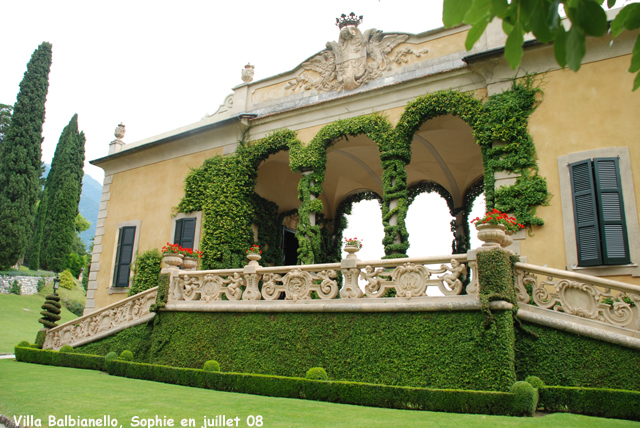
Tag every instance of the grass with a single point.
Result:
(19, 319)
(30, 389)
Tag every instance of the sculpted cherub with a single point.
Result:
(235, 282)
(456, 269)
(370, 275)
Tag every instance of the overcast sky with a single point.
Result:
(156, 66)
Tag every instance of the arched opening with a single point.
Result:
(444, 152)
(276, 204)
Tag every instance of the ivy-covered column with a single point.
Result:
(394, 208)
(308, 233)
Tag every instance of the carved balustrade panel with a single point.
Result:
(573, 294)
(411, 279)
(298, 284)
(100, 321)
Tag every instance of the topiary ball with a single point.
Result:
(211, 366)
(66, 348)
(126, 356)
(535, 381)
(23, 344)
(526, 398)
(111, 356)
(316, 373)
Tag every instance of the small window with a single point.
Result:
(185, 232)
(601, 229)
(124, 256)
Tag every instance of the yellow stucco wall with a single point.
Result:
(146, 194)
(591, 109)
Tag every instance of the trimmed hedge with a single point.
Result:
(606, 403)
(135, 339)
(455, 401)
(62, 359)
(566, 359)
(419, 349)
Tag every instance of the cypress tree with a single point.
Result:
(62, 196)
(21, 159)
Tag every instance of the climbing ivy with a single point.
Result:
(223, 187)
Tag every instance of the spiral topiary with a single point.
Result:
(316, 373)
(67, 349)
(211, 366)
(126, 355)
(51, 311)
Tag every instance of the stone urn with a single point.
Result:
(508, 238)
(352, 250)
(189, 263)
(492, 235)
(172, 260)
(253, 258)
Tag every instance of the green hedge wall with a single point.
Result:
(456, 401)
(421, 349)
(135, 339)
(566, 359)
(63, 359)
(606, 403)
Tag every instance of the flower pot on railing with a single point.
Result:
(189, 263)
(508, 239)
(351, 250)
(253, 258)
(492, 235)
(172, 260)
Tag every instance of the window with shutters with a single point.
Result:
(601, 230)
(600, 219)
(185, 230)
(124, 256)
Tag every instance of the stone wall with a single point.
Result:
(28, 284)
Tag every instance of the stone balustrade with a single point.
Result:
(126, 313)
(594, 299)
(409, 277)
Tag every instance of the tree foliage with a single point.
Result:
(5, 120)
(21, 159)
(542, 18)
(57, 220)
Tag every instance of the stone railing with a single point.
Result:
(594, 299)
(409, 277)
(111, 319)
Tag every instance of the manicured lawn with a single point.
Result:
(30, 389)
(19, 319)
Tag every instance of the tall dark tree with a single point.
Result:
(5, 120)
(56, 222)
(21, 159)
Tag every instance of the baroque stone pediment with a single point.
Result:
(353, 60)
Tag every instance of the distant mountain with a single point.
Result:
(89, 203)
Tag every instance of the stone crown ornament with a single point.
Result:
(351, 19)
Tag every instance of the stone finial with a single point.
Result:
(247, 73)
(119, 132)
(116, 145)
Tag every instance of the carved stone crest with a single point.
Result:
(353, 60)
(247, 73)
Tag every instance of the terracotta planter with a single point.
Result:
(172, 260)
(189, 263)
(491, 235)
(253, 258)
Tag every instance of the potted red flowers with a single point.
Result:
(253, 254)
(495, 228)
(175, 255)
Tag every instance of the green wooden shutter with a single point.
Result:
(124, 255)
(188, 232)
(177, 236)
(585, 214)
(613, 227)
